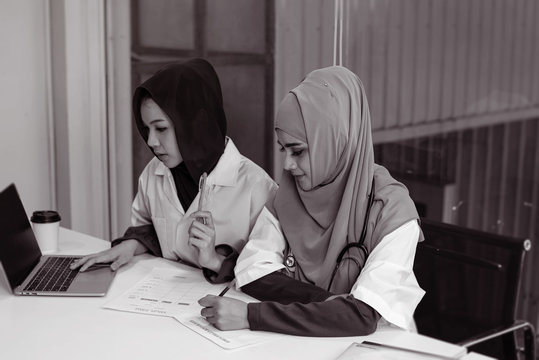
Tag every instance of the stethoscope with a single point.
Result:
(290, 261)
(359, 244)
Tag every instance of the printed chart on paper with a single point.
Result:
(175, 293)
(165, 292)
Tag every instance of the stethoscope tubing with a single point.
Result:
(359, 244)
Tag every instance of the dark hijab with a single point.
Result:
(190, 94)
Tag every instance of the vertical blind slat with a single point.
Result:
(378, 31)
(519, 216)
(534, 69)
(420, 73)
(485, 178)
(392, 90)
(503, 189)
(476, 24)
(461, 71)
(449, 56)
(435, 60)
(485, 55)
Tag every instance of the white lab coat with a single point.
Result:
(238, 190)
(386, 283)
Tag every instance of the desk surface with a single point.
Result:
(78, 328)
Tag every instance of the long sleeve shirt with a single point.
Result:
(386, 283)
(293, 307)
(238, 190)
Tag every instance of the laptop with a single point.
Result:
(28, 271)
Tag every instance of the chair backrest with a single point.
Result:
(471, 278)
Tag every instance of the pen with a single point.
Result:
(203, 195)
(230, 285)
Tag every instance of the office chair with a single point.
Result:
(472, 280)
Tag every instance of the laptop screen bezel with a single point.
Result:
(19, 250)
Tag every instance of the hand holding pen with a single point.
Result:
(225, 313)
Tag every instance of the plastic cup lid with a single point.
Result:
(45, 216)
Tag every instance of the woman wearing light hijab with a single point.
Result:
(179, 113)
(334, 254)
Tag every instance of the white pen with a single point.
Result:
(203, 195)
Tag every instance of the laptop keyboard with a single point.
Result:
(54, 275)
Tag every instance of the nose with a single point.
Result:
(289, 163)
(152, 141)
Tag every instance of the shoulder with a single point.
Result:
(234, 168)
(253, 172)
(391, 194)
(387, 187)
(248, 171)
(253, 177)
(392, 207)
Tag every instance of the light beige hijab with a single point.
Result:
(335, 120)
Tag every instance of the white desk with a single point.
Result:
(78, 328)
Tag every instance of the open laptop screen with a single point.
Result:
(19, 250)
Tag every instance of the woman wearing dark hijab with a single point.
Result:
(334, 256)
(179, 113)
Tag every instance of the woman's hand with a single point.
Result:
(224, 313)
(202, 237)
(117, 256)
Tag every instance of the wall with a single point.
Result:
(62, 143)
(81, 122)
(303, 42)
(25, 153)
(431, 67)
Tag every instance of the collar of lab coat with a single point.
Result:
(225, 172)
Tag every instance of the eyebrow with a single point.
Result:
(157, 120)
(290, 144)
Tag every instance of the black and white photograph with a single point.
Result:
(269, 179)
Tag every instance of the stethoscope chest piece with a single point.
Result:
(290, 262)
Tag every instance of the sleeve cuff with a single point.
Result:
(226, 272)
(253, 315)
(144, 234)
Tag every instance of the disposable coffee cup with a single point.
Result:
(46, 225)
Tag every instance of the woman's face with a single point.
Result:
(297, 160)
(161, 135)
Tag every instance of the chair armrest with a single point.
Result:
(526, 327)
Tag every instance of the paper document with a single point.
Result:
(226, 339)
(364, 351)
(175, 293)
(387, 340)
(165, 292)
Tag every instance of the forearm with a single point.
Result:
(342, 316)
(141, 248)
(146, 237)
(283, 289)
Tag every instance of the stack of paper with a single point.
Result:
(367, 350)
